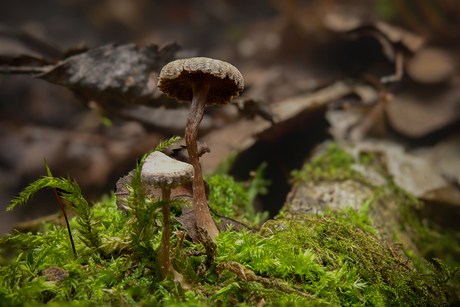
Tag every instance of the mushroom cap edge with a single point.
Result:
(161, 171)
(226, 80)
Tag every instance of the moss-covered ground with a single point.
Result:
(293, 260)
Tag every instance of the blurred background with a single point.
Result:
(403, 54)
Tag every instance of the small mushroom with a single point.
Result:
(202, 81)
(161, 171)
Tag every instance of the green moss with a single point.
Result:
(331, 260)
(292, 261)
(431, 240)
(235, 199)
(336, 164)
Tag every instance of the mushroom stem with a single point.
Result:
(164, 253)
(202, 215)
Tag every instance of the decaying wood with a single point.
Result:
(314, 197)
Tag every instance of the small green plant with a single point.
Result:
(73, 194)
(335, 164)
(235, 199)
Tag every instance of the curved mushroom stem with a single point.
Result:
(202, 215)
(164, 253)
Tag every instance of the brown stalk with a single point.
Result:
(202, 215)
(164, 253)
(66, 221)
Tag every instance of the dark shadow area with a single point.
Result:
(284, 150)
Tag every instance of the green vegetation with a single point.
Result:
(292, 261)
(431, 240)
(335, 164)
(235, 199)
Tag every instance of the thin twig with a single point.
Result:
(66, 221)
(22, 70)
(249, 275)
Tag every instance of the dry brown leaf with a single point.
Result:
(125, 73)
(416, 112)
(409, 171)
(430, 65)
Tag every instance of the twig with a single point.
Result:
(249, 275)
(22, 70)
(399, 69)
(66, 221)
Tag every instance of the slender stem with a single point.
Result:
(164, 253)
(25, 69)
(66, 221)
(200, 206)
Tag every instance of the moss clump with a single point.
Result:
(335, 164)
(291, 261)
(235, 199)
(330, 260)
(429, 239)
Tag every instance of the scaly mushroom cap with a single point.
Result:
(225, 80)
(160, 171)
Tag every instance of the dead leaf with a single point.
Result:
(54, 273)
(411, 41)
(181, 153)
(395, 35)
(413, 171)
(249, 108)
(420, 110)
(445, 156)
(188, 222)
(18, 48)
(124, 73)
(430, 65)
(171, 121)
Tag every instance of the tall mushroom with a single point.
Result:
(161, 171)
(202, 81)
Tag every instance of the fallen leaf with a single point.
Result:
(413, 171)
(430, 65)
(420, 110)
(395, 35)
(18, 48)
(181, 153)
(168, 120)
(54, 273)
(249, 108)
(124, 73)
(188, 222)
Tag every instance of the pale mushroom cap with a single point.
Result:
(161, 171)
(225, 80)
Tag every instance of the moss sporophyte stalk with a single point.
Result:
(333, 259)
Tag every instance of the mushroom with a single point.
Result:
(161, 171)
(202, 81)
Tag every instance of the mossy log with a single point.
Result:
(334, 182)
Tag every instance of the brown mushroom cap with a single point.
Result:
(160, 171)
(225, 80)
